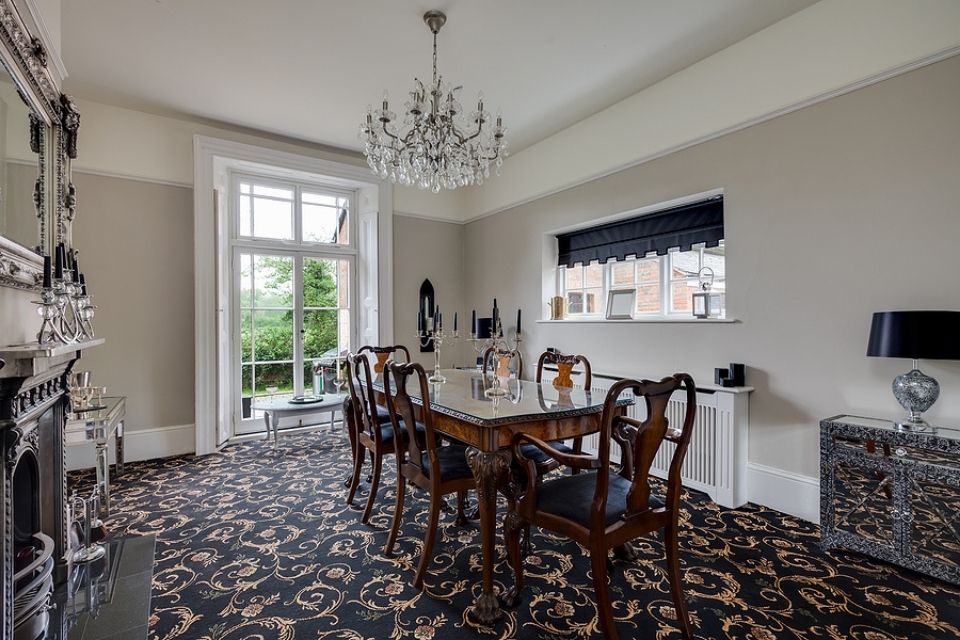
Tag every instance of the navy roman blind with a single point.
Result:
(677, 227)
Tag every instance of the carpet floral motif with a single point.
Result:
(254, 543)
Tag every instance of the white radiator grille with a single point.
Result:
(717, 455)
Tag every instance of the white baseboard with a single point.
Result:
(785, 491)
(139, 444)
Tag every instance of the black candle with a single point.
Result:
(473, 323)
(518, 321)
(58, 263)
(83, 284)
(46, 272)
(420, 321)
(454, 321)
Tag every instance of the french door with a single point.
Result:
(292, 319)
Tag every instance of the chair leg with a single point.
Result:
(372, 462)
(671, 544)
(598, 561)
(578, 449)
(358, 455)
(435, 500)
(512, 526)
(397, 514)
(374, 483)
(461, 503)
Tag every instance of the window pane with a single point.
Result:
(320, 198)
(323, 224)
(343, 284)
(273, 281)
(273, 335)
(648, 271)
(246, 387)
(272, 379)
(245, 229)
(284, 193)
(246, 280)
(681, 297)
(272, 219)
(593, 298)
(573, 277)
(714, 257)
(684, 264)
(244, 187)
(319, 283)
(575, 301)
(648, 298)
(344, 331)
(593, 275)
(320, 336)
(621, 273)
(246, 337)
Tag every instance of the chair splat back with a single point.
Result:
(359, 385)
(565, 365)
(382, 354)
(498, 362)
(396, 381)
(642, 438)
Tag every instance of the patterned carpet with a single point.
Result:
(253, 543)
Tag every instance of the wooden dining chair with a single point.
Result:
(565, 365)
(373, 430)
(602, 509)
(440, 470)
(499, 361)
(382, 354)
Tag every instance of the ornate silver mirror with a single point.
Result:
(35, 192)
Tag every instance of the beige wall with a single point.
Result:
(136, 248)
(832, 212)
(434, 250)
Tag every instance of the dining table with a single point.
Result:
(463, 411)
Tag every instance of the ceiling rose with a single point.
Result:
(435, 147)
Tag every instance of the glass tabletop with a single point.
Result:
(462, 396)
(97, 423)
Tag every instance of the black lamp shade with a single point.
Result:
(930, 335)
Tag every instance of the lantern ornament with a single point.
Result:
(706, 304)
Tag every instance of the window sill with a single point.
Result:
(642, 321)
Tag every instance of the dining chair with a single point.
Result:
(373, 430)
(440, 470)
(564, 381)
(602, 509)
(499, 361)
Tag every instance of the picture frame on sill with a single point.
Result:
(621, 303)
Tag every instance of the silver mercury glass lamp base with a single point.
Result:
(916, 392)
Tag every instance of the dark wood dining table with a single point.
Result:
(462, 411)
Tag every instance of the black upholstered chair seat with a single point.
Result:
(570, 497)
(387, 433)
(383, 416)
(453, 463)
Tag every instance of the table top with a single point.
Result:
(331, 401)
(96, 425)
(876, 427)
(462, 397)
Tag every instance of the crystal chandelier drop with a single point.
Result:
(437, 148)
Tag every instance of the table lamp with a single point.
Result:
(915, 334)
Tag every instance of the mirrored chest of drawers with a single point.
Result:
(891, 493)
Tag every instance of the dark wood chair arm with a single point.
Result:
(577, 461)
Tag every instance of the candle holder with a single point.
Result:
(66, 311)
(501, 347)
(438, 336)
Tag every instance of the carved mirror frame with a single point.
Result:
(53, 136)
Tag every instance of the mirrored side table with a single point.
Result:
(99, 425)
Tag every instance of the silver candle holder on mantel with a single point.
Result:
(431, 329)
(501, 346)
(65, 307)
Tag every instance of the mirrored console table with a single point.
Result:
(892, 493)
(100, 425)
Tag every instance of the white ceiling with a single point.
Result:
(308, 68)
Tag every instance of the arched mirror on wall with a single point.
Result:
(38, 128)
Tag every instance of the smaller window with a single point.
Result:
(583, 289)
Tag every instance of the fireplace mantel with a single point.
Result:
(32, 359)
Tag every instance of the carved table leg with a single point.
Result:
(489, 469)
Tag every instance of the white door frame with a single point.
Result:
(209, 154)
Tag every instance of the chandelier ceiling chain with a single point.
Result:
(436, 150)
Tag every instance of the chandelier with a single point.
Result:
(436, 147)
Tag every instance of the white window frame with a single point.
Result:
(297, 249)
(666, 286)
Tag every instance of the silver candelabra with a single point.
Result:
(438, 336)
(501, 347)
(67, 311)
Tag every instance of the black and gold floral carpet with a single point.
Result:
(259, 544)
